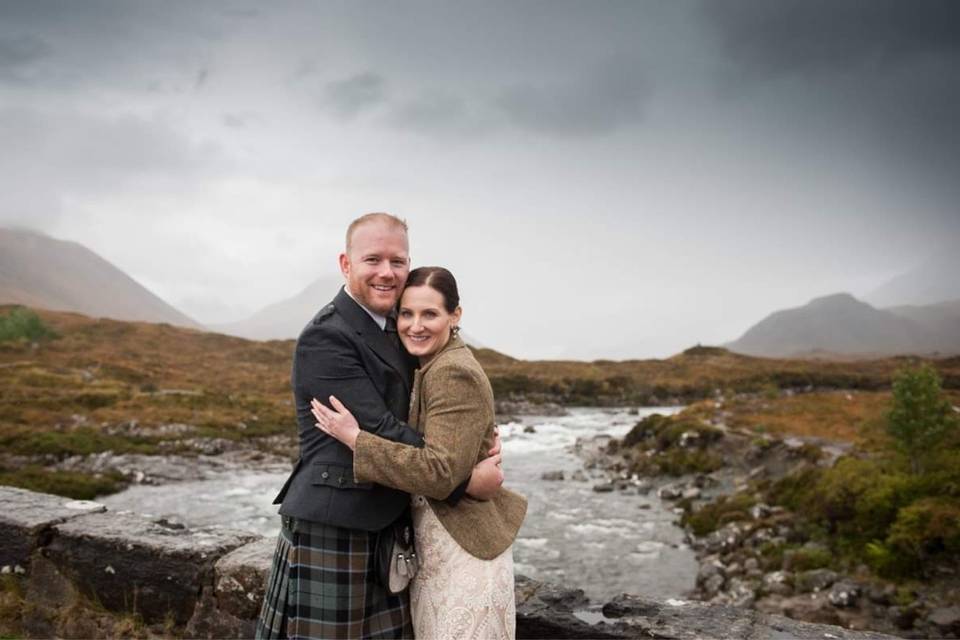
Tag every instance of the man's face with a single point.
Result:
(376, 265)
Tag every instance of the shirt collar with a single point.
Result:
(379, 319)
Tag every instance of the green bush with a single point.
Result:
(921, 417)
(724, 509)
(23, 324)
(926, 528)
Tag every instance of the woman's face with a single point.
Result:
(423, 323)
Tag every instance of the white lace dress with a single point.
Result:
(456, 596)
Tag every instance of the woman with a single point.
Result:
(464, 588)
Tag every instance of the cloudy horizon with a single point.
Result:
(611, 179)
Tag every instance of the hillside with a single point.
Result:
(285, 319)
(39, 271)
(841, 324)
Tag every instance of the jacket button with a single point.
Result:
(324, 475)
(340, 479)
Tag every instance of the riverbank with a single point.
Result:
(75, 569)
(728, 467)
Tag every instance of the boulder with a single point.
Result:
(241, 578)
(779, 583)
(129, 564)
(26, 519)
(552, 475)
(638, 617)
(945, 619)
(814, 580)
(844, 594)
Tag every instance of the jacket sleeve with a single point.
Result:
(326, 363)
(456, 422)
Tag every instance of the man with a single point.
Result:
(322, 584)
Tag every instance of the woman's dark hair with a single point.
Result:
(441, 281)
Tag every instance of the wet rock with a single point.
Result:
(670, 492)
(903, 617)
(529, 429)
(812, 609)
(26, 521)
(779, 583)
(882, 594)
(741, 593)
(527, 408)
(759, 511)
(945, 619)
(638, 617)
(241, 578)
(814, 580)
(724, 539)
(691, 493)
(579, 476)
(844, 594)
(606, 487)
(712, 585)
(552, 475)
(129, 564)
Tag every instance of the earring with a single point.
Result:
(455, 330)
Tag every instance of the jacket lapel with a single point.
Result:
(371, 333)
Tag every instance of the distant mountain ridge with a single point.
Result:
(935, 280)
(841, 324)
(39, 271)
(285, 319)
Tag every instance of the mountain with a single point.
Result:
(39, 271)
(841, 324)
(941, 322)
(287, 318)
(934, 281)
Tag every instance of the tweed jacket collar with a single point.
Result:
(452, 344)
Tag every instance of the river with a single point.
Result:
(603, 543)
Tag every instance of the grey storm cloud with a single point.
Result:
(800, 36)
(349, 97)
(595, 104)
(18, 52)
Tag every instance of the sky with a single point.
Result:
(605, 179)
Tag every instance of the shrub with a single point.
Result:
(724, 509)
(23, 324)
(920, 417)
(926, 528)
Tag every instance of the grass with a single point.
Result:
(107, 385)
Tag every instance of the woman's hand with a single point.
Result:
(339, 424)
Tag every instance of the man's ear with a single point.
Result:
(344, 265)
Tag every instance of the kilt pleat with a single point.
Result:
(323, 585)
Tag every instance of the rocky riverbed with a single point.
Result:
(752, 555)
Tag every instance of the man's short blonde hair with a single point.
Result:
(388, 218)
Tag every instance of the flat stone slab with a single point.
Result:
(241, 578)
(128, 563)
(683, 620)
(25, 516)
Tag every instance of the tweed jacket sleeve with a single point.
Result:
(456, 415)
(326, 363)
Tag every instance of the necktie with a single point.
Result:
(391, 330)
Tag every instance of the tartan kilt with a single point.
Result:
(323, 585)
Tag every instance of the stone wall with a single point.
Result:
(75, 569)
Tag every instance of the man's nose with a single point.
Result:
(384, 270)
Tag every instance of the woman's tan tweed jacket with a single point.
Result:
(452, 405)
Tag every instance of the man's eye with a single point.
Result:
(371, 260)
(399, 263)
